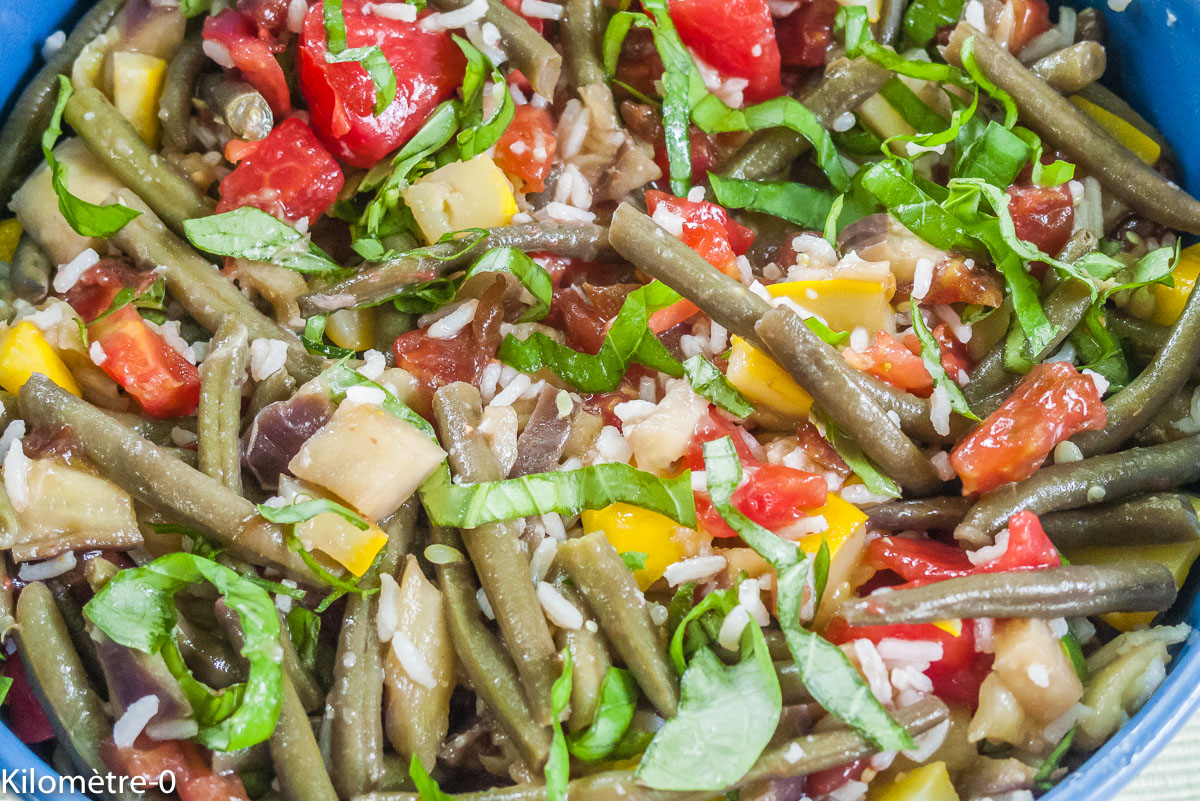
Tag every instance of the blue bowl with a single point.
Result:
(1151, 55)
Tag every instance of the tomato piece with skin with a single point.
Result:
(887, 359)
(155, 374)
(149, 760)
(1030, 19)
(269, 16)
(341, 97)
(734, 37)
(1042, 215)
(702, 151)
(525, 150)
(537, 23)
(1051, 404)
(823, 782)
(806, 34)
(97, 288)
(289, 175)
(232, 33)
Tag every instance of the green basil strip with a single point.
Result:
(250, 233)
(820, 573)
(6, 684)
(1098, 350)
(304, 627)
(995, 92)
(635, 560)
(306, 510)
(1050, 764)
(1053, 174)
(931, 354)
(136, 609)
(679, 69)
(427, 786)
(727, 716)
(86, 219)
(429, 296)
(824, 668)
(806, 206)
(380, 71)
(874, 480)
(314, 339)
(154, 297)
(720, 602)
(1153, 268)
(710, 383)
(614, 712)
(478, 134)
(997, 156)
(558, 763)
(922, 19)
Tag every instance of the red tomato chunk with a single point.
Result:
(734, 37)
(526, 148)
(1043, 215)
(162, 382)
(232, 38)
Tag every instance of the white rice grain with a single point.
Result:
(696, 568)
(990, 553)
(539, 9)
(403, 12)
(367, 396)
(458, 18)
(922, 278)
(69, 274)
(137, 715)
(413, 661)
(455, 321)
(542, 558)
(49, 568)
(267, 357)
(558, 609)
(16, 475)
(53, 44)
(511, 393)
(96, 353)
(730, 635)
(374, 363)
(1067, 451)
(296, 11)
(939, 410)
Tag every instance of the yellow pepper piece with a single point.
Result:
(1176, 556)
(951, 627)
(1169, 300)
(352, 328)
(765, 383)
(461, 195)
(10, 232)
(23, 352)
(137, 85)
(927, 783)
(1138, 143)
(843, 519)
(342, 541)
(629, 528)
(843, 303)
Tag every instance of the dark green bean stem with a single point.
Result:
(175, 105)
(589, 655)
(528, 51)
(203, 292)
(219, 415)
(113, 141)
(376, 284)
(72, 615)
(927, 514)
(496, 551)
(487, 667)
(1067, 128)
(582, 31)
(21, 136)
(816, 752)
(1158, 519)
(846, 85)
(891, 18)
(1072, 68)
(154, 476)
(1067, 591)
(297, 758)
(1110, 477)
(30, 274)
(1135, 405)
(614, 598)
(244, 110)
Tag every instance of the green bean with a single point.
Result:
(846, 85)
(1135, 405)
(376, 284)
(21, 136)
(204, 292)
(157, 431)
(582, 30)
(1067, 128)
(1106, 99)
(155, 477)
(1110, 477)
(590, 658)
(1144, 337)
(175, 105)
(113, 141)
(240, 105)
(927, 514)
(526, 48)
(30, 274)
(496, 552)
(1090, 26)
(1158, 519)
(614, 598)
(1072, 68)
(72, 614)
(891, 18)
(487, 666)
(303, 681)
(219, 415)
(59, 681)
(214, 661)
(298, 764)
(278, 386)
(1067, 591)
(825, 375)
(792, 757)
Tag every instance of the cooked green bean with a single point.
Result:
(1072, 68)
(1144, 337)
(1067, 128)
(179, 87)
(526, 49)
(1135, 405)
(154, 476)
(496, 552)
(21, 136)
(298, 763)
(1109, 477)
(72, 614)
(1067, 591)
(926, 514)
(204, 292)
(487, 666)
(304, 683)
(113, 141)
(219, 415)
(614, 598)
(792, 757)
(846, 85)
(240, 105)
(891, 18)
(590, 658)
(1162, 518)
(582, 32)
(821, 370)
(30, 273)
(215, 662)
(381, 282)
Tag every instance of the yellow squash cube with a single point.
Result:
(1177, 556)
(927, 783)
(765, 383)
(630, 528)
(461, 195)
(1169, 300)
(23, 352)
(342, 541)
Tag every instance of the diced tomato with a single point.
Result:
(702, 150)
(955, 360)
(269, 16)
(1030, 19)
(714, 427)
(162, 382)
(526, 148)
(586, 311)
(537, 23)
(1043, 215)
(954, 282)
(734, 37)
(194, 779)
(823, 782)
(25, 714)
(290, 175)
(341, 97)
(96, 289)
(818, 449)
(891, 362)
(252, 55)
(806, 33)
(1053, 403)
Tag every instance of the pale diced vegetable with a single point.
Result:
(70, 509)
(1033, 664)
(460, 195)
(665, 435)
(137, 86)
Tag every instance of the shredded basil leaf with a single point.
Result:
(635, 560)
(820, 573)
(314, 339)
(931, 355)
(1098, 350)
(830, 230)
(421, 298)
(558, 764)
(137, 609)
(922, 19)
(427, 787)
(1050, 764)
(872, 478)
(250, 233)
(806, 206)
(679, 69)
(685, 641)
(478, 134)
(306, 510)
(383, 77)
(614, 712)
(711, 384)
(304, 627)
